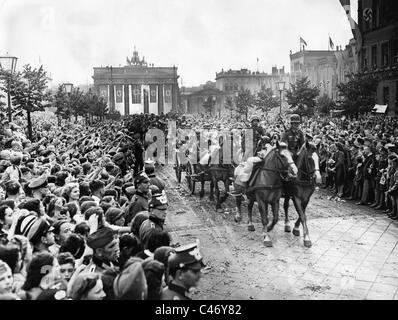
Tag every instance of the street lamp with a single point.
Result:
(8, 64)
(68, 87)
(281, 87)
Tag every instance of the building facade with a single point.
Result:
(138, 87)
(232, 81)
(324, 69)
(378, 24)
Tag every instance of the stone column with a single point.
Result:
(126, 100)
(160, 99)
(111, 98)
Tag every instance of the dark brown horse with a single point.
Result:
(301, 189)
(266, 185)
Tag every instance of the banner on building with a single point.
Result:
(153, 93)
(167, 93)
(103, 92)
(136, 93)
(119, 93)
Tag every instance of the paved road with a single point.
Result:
(354, 253)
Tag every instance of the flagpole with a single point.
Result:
(329, 43)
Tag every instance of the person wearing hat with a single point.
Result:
(105, 248)
(39, 188)
(39, 232)
(392, 192)
(157, 215)
(139, 201)
(153, 179)
(184, 269)
(369, 173)
(258, 133)
(293, 136)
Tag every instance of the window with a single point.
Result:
(364, 59)
(386, 95)
(394, 51)
(236, 88)
(374, 56)
(385, 54)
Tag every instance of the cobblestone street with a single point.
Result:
(354, 253)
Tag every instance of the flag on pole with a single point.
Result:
(302, 41)
(331, 44)
(119, 94)
(136, 93)
(347, 6)
(354, 26)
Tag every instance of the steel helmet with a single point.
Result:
(295, 118)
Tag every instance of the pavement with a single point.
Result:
(354, 253)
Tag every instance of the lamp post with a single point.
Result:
(8, 64)
(281, 87)
(68, 89)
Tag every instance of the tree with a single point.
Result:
(229, 104)
(59, 101)
(98, 107)
(359, 93)
(29, 92)
(244, 101)
(209, 103)
(301, 97)
(76, 104)
(325, 104)
(266, 101)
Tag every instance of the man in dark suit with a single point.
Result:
(369, 172)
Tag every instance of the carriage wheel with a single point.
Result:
(178, 170)
(188, 176)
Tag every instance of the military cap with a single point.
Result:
(158, 201)
(141, 178)
(37, 183)
(100, 238)
(295, 118)
(254, 118)
(187, 256)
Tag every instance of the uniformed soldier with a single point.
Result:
(105, 246)
(294, 137)
(185, 270)
(154, 180)
(258, 133)
(39, 188)
(157, 215)
(139, 202)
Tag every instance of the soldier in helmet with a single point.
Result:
(293, 136)
(185, 270)
(258, 133)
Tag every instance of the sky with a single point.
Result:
(200, 38)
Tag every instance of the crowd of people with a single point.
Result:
(82, 215)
